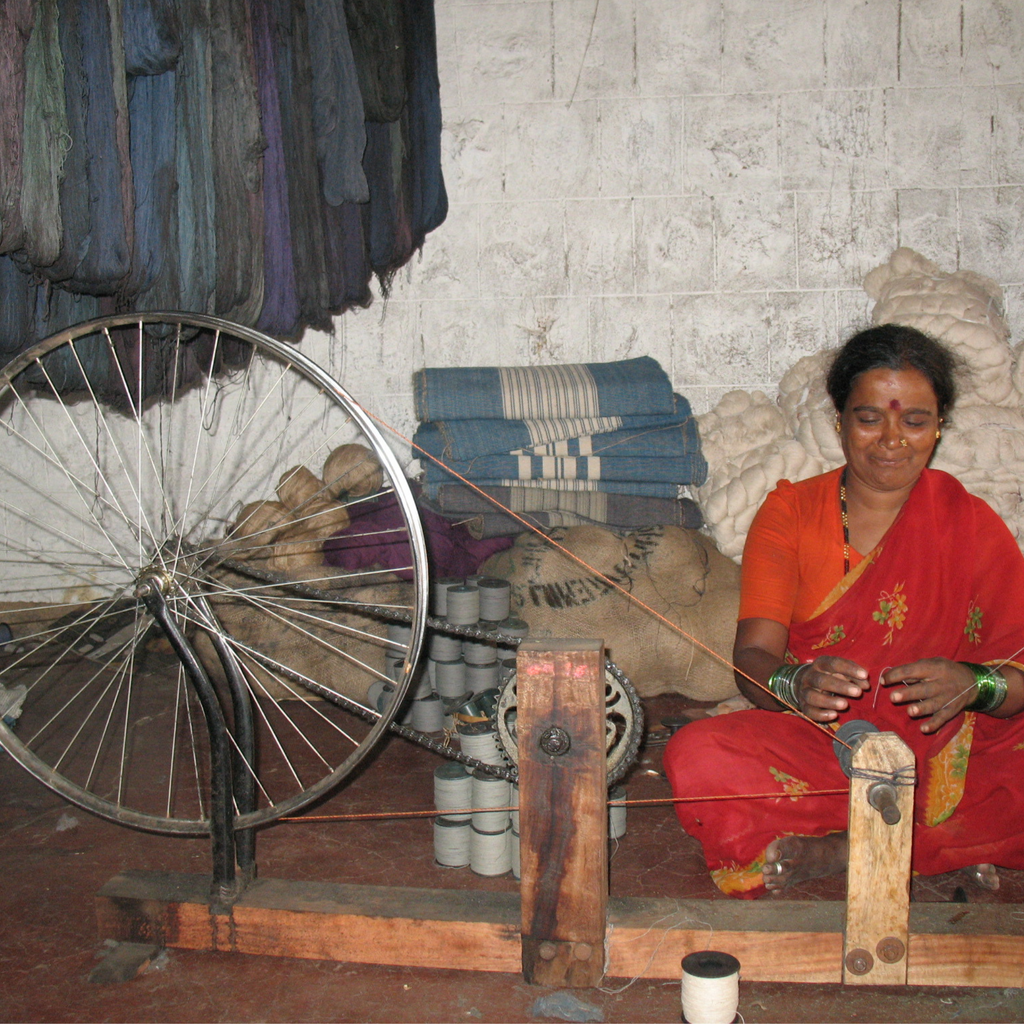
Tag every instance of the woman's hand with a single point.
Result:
(935, 689)
(825, 687)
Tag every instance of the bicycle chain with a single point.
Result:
(468, 632)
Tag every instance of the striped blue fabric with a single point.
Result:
(530, 393)
(470, 438)
(435, 477)
(551, 467)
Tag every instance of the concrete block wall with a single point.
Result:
(703, 181)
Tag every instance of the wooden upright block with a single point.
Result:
(563, 794)
(878, 876)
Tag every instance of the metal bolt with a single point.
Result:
(582, 950)
(859, 961)
(891, 950)
(547, 951)
(555, 741)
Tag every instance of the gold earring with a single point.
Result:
(938, 434)
(839, 426)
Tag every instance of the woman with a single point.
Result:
(879, 591)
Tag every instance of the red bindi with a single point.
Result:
(895, 404)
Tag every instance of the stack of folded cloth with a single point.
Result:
(605, 443)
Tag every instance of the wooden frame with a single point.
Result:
(562, 929)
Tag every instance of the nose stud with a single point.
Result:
(903, 442)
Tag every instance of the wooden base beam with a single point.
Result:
(774, 940)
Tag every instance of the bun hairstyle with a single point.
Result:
(893, 347)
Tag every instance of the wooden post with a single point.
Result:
(563, 794)
(878, 876)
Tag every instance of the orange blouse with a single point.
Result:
(793, 555)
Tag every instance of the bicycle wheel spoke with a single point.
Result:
(130, 444)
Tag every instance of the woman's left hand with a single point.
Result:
(935, 689)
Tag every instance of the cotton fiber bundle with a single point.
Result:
(750, 444)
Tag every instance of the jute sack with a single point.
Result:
(677, 573)
(323, 645)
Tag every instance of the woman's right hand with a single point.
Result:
(827, 685)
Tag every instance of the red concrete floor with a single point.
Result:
(55, 857)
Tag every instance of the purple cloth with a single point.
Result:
(377, 538)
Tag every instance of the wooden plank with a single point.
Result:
(563, 793)
(436, 928)
(791, 941)
(774, 940)
(878, 873)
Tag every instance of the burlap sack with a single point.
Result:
(319, 642)
(677, 573)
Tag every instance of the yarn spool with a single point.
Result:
(352, 470)
(617, 815)
(439, 593)
(480, 740)
(427, 714)
(709, 990)
(491, 798)
(495, 598)
(490, 853)
(481, 677)
(444, 648)
(450, 678)
(463, 605)
(453, 791)
(296, 550)
(513, 627)
(452, 841)
(479, 652)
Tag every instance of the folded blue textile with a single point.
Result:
(435, 478)
(567, 391)
(593, 467)
(470, 438)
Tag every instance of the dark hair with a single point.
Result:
(893, 347)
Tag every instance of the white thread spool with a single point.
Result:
(495, 598)
(481, 677)
(491, 798)
(513, 627)
(428, 714)
(479, 652)
(450, 678)
(378, 695)
(490, 853)
(506, 670)
(463, 605)
(482, 744)
(710, 990)
(617, 815)
(444, 647)
(439, 594)
(514, 850)
(513, 812)
(420, 685)
(453, 790)
(399, 634)
(452, 841)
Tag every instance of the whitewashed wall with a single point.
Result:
(703, 181)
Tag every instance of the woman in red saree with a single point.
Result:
(899, 635)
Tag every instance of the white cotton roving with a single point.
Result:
(751, 444)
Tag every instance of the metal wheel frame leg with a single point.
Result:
(223, 889)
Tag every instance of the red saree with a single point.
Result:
(944, 582)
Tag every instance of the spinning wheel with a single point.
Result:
(143, 509)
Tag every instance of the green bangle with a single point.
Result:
(991, 684)
(782, 684)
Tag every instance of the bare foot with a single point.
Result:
(985, 876)
(792, 859)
